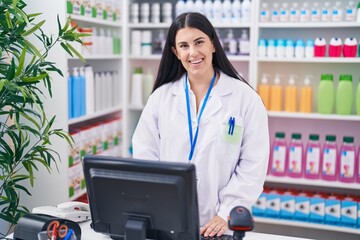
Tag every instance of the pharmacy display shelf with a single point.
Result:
(312, 225)
(312, 182)
(95, 21)
(98, 57)
(314, 116)
(310, 25)
(167, 25)
(311, 60)
(95, 115)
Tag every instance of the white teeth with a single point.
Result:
(194, 62)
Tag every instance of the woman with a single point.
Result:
(201, 111)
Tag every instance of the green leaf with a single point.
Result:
(34, 29)
(66, 49)
(34, 79)
(21, 62)
(34, 49)
(8, 20)
(76, 52)
(2, 83)
(11, 70)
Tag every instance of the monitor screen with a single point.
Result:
(142, 199)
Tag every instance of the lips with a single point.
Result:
(195, 62)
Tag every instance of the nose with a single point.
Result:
(193, 51)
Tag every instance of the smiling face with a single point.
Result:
(195, 51)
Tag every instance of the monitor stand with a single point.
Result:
(136, 226)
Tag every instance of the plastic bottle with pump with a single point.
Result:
(276, 95)
(306, 96)
(344, 95)
(313, 157)
(347, 160)
(329, 167)
(278, 155)
(296, 160)
(244, 43)
(246, 11)
(326, 94)
(291, 94)
(264, 90)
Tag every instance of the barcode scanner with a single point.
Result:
(240, 221)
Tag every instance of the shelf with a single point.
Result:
(98, 57)
(95, 115)
(95, 21)
(312, 182)
(314, 116)
(239, 58)
(167, 25)
(311, 60)
(232, 25)
(309, 25)
(236, 58)
(295, 223)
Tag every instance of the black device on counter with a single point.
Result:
(30, 225)
(240, 220)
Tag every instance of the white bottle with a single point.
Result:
(358, 13)
(305, 12)
(275, 15)
(299, 49)
(270, 50)
(226, 11)
(262, 48)
(289, 49)
(208, 10)
(264, 12)
(326, 12)
(145, 12)
(148, 84)
(337, 12)
(89, 90)
(109, 42)
(236, 11)
(309, 49)
(136, 97)
(155, 12)
(230, 43)
(217, 11)
(199, 6)
(315, 13)
(294, 12)
(246, 11)
(284, 12)
(350, 14)
(97, 92)
(244, 43)
(134, 13)
(167, 12)
(280, 49)
(189, 6)
(179, 7)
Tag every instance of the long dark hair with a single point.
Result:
(171, 69)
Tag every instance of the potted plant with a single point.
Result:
(25, 79)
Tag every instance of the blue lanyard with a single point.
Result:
(193, 140)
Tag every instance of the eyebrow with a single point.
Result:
(197, 39)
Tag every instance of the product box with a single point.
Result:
(258, 209)
(317, 208)
(302, 206)
(76, 181)
(333, 210)
(288, 205)
(74, 151)
(349, 211)
(273, 200)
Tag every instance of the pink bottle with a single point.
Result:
(296, 159)
(335, 47)
(347, 160)
(278, 155)
(319, 47)
(329, 159)
(358, 170)
(350, 47)
(313, 157)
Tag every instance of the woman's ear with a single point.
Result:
(175, 52)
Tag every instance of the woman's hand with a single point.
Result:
(215, 227)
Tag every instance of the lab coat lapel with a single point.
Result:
(177, 90)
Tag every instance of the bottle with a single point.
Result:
(276, 95)
(227, 11)
(280, 49)
(309, 48)
(315, 12)
(189, 5)
(295, 156)
(358, 165)
(270, 50)
(159, 43)
(76, 97)
(284, 12)
(244, 43)
(278, 155)
(350, 14)
(134, 13)
(291, 93)
(199, 6)
(155, 13)
(312, 157)
(148, 84)
(344, 95)
(329, 159)
(299, 49)
(262, 48)
(89, 92)
(136, 88)
(179, 7)
(145, 12)
(70, 96)
(217, 11)
(357, 100)
(275, 14)
(347, 160)
(289, 49)
(335, 47)
(264, 12)
(208, 10)
(230, 44)
(326, 94)
(358, 14)
(326, 12)
(264, 90)
(236, 11)
(337, 12)
(305, 12)
(294, 12)
(350, 47)
(166, 13)
(306, 96)
(319, 47)
(246, 11)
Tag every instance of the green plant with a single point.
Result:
(25, 130)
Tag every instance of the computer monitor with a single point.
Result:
(134, 199)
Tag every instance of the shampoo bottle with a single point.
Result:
(329, 159)
(344, 95)
(347, 160)
(136, 88)
(264, 90)
(326, 94)
(306, 96)
(276, 95)
(295, 156)
(278, 155)
(291, 94)
(313, 157)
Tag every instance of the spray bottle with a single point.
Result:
(276, 95)
(306, 96)
(264, 90)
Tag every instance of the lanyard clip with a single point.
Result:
(231, 126)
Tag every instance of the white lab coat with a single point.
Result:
(230, 171)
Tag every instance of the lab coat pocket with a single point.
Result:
(230, 136)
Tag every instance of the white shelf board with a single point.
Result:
(312, 182)
(309, 24)
(95, 115)
(295, 223)
(98, 57)
(232, 25)
(238, 58)
(311, 60)
(149, 25)
(314, 116)
(149, 57)
(94, 21)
